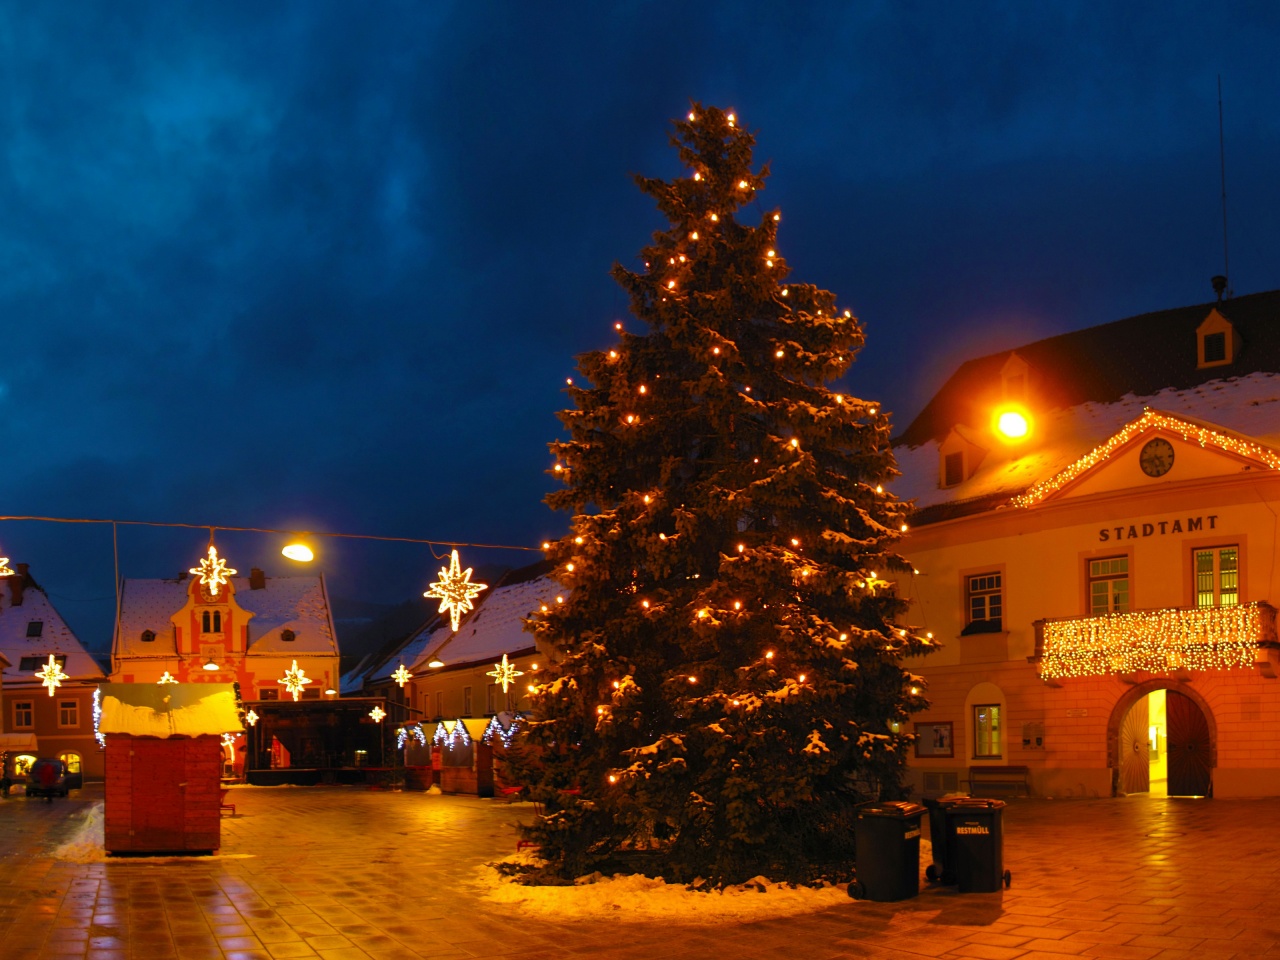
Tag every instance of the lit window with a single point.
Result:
(1217, 576)
(1108, 586)
(68, 713)
(23, 715)
(986, 730)
(35, 628)
(984, 604)
(72, 760)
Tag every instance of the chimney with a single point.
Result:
(1219, 286)
(257, 579)
(18, 583)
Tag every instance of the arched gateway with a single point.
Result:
(1188, 738)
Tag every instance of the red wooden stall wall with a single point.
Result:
(162, 795)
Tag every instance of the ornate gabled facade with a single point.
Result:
(47, 710)
(252, 631)
(1103, 589)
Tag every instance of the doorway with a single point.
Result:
(1165, 746)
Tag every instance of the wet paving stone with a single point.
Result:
(340, 873)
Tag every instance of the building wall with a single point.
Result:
(441, 694)
(53, 738)
(1042, 553)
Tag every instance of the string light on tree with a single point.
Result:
(294, 680)
(167, 677)
(51, 675)
(455, 591)
(504, 673)
(401, 675)
(213, 571)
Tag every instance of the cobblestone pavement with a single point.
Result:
(340, 873)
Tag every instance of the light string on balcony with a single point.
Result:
(1156, 641)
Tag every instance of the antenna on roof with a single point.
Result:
(1220, 283)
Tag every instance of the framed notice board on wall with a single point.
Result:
(934, 740)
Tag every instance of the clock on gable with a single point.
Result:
(1156, 458)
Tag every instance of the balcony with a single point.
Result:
(1156, 641)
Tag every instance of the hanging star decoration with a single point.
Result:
(294, 680)
(377, 713)
(455, 591)
(251, 718)
(213, 571)
(167, 677)
(401, 675)
(4, 568)
(51, 674)
(504, 673)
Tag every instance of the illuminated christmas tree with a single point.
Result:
(726, 677)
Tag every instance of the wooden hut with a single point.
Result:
(164, 764)
(466, 760)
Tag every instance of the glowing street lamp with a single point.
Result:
(1012, 426)
(299, 552)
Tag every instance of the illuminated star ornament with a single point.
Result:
(213, 572)
(455, 591)
(402, 675)
(504, 673)
(4, 568)
(294, 680)
(167, 678)
(377, 713)
(251, 718)
(51, 674)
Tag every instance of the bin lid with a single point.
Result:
(891, 808)
(968, 804)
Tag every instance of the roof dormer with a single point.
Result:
(958, 458)
(1217, 342)
(1015, 380)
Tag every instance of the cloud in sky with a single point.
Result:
(308, 264)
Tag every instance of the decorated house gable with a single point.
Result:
(251, 631)
(32, 630)
(1156, 448)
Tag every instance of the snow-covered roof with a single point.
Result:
(36, 614)
(494, 629)
(1247, 405)
(169, 709)
(299, 604)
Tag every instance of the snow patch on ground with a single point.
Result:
(624, 898)
(85, 845)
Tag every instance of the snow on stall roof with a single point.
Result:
(169, 710)
(295, 603)
(1247, 405)
(55, 638)
(494, 628)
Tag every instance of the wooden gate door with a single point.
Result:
(158, 769)
(1188, 743)
(1135, 750)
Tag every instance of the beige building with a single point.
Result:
(53, 719)
(1102, 587)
